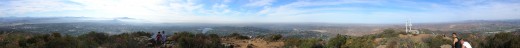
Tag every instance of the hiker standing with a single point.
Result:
(456, 42)
(164, 37)
(158, 40)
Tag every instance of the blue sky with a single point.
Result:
(273, 11)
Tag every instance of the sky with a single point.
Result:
(271, 11)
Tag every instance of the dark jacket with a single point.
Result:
(457, 44)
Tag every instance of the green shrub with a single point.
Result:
(303, 43)
(360, 42)
(437, 41)
(388, 33)
(274, 37)
(336, 42)
(188, 40)
(502, 40)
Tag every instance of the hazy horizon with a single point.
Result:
(270, 11)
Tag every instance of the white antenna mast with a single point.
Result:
(408, 24)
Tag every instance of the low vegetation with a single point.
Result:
(389, 38)
(89, 40)
(188, 40)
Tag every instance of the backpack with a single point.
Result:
(158, 36)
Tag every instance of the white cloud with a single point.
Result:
(227, 1)
(260, 2)
(296, 7)
(155, 10)
(25, 6)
